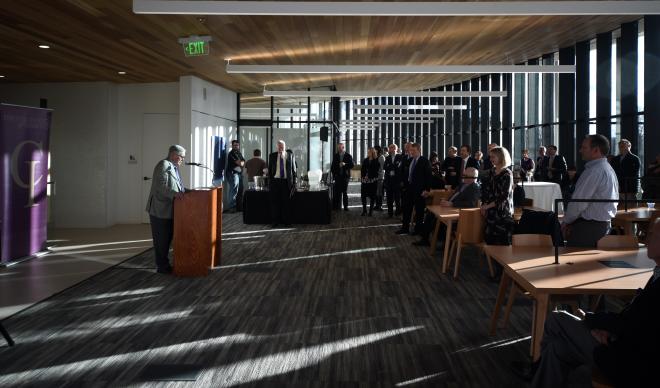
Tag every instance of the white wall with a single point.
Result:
(79, 141)
(205, 110)
(133, 102)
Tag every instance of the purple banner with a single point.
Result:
(24, 174)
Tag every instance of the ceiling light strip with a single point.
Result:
(392, 93)
(397, 69)
(437, 8)
(387, 121)
(403, 115)
(409, 107)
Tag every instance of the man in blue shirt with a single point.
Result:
(585, 223)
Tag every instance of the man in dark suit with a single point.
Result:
(541, 169)
(467, 160)
(626, 165)
(417, 183)
(451, 166)
(555, 164)
(623, 345)
(282, 181)
(393, 180)
(467, 195)
(342, 163)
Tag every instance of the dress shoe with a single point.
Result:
(345, 209)
(364, 213)
(524, 370)
(164, 270)
(401, 231)
(422, 243)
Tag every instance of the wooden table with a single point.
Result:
(448, 215)
(579, 272)
(639, 214)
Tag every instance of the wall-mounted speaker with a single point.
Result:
(324, 133)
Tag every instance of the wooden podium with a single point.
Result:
(197, 232)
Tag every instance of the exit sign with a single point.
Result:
(194, 46)
(194, 49)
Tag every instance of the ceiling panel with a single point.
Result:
(92, 40)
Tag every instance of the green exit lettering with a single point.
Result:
(195, 48)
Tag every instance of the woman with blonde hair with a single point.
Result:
(369, 173)
(497, 205)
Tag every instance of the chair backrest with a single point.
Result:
(618, 242)
(440, 195)
(529, 202)
(471, 226)
(532, 240)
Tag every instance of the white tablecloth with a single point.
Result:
(543, 194)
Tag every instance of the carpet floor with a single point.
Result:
(348, 304)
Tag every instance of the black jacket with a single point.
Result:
(231, 162)
(631, 356)
(289, 166)
(421, 176)
(393, 169)
(451, 166)
(468, 197)
(471, 162)
(370, 170)
(626, 168)
(559, 174)
(342, 173)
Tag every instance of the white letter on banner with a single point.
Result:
(33, 167)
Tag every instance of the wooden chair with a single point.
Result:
(618, 242)
(523, 240)
(470, 230)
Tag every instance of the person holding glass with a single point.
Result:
(526, 166)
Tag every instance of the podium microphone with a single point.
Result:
(194, 164)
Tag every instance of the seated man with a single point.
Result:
(622, 346)
(467, 194)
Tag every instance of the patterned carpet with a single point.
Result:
(349, 304)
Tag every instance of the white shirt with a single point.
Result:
(598, 181)
(281, 157)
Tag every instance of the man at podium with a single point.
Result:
(166, 185)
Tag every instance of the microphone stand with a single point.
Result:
(202, 166)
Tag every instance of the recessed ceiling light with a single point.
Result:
(44, 46)
(2, 76)
(121, 72)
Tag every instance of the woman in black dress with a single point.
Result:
(370, 167)
(497, 205)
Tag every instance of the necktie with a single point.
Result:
(281, 166)
(412, 168)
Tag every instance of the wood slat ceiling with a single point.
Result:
(92, 40)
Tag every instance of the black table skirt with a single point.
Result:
(307, 207)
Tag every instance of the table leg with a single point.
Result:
(540, 313)
(628, 228)
(445, 258)
(434, 238)
(504, 284)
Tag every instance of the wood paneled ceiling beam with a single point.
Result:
(439, 8)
